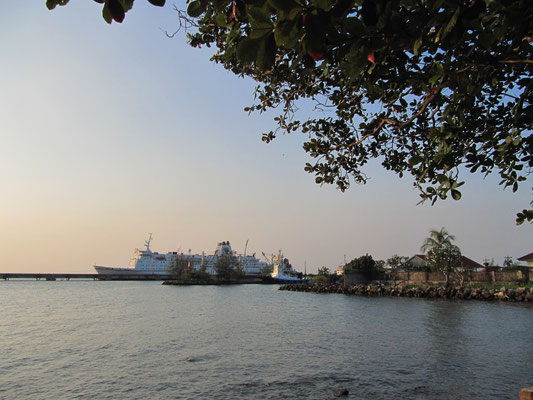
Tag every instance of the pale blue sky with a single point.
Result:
(111, 132)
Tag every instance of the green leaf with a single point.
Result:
(248, 49)
(456, 195)
(523, 216)
(116, 10)
(486, 39)
(341, 8)
(434, 79)
(126, 4)
(51, 4)
(158, 3)
(220, 20)
(284, 5)
(449, 26)
(287, 33)
(234, 33)
(322, 4)
(259, 14)
(443, 179)
(315, 34)
(267, 53)
(220, 4)
(416, 159)
(107, 14)
(354, 26)
(260, 29)
(195, 9)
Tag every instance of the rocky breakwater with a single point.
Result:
(431, 292)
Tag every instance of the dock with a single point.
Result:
(95, 277)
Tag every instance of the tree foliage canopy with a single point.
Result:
(436, 239)
(324, 271)
(363, 264)
(397, 262)
(427, 87)
(179, 266)
(446, 259)
(226, 265)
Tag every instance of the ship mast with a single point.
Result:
(147, 242)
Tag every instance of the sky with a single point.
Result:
(111, 132)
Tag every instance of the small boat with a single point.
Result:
(284, 273)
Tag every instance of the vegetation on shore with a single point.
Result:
(181, 270)
(440, 255)
(227, 270)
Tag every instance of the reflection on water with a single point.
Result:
(449, 370)
(133, 340)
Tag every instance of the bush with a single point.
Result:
(321, 280)
(365, 265)
(362, 264)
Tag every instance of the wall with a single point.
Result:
(355, 278)
(421, 277)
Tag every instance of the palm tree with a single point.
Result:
(437, 239)
(441, 253)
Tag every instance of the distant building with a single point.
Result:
(419, 261)
(528, 259)
(340, 271)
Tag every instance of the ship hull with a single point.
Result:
(101, 270)
(275, 280)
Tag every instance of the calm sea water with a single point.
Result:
(142, 340)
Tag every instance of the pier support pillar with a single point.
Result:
(526, 394)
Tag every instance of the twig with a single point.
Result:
(428, 100)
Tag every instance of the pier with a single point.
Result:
(95, 277)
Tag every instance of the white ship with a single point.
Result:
(148, 262)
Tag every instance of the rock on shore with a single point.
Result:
(431, 292)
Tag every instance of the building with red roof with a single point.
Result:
(419, 260)
(528, 259)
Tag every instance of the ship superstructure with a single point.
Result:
(148, 262)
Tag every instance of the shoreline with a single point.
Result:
(523, 294)
(246, 280)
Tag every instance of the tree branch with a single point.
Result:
(526, 61)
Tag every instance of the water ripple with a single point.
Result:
(136, 340)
